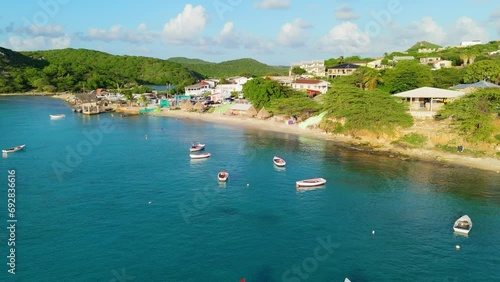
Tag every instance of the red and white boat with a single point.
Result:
(310, 182)
(223, 175)
(13, 149)
(197, 147)
(279, 161)
(199, 156)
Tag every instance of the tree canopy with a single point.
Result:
(300, 107)
(79, 69)
(474, 114)
(483, 70)
(407, 75)
(374, 110)
(261, 91)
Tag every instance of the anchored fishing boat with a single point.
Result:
(13, 149)
(279, 161)
(310, 182)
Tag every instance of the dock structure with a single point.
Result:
(90, 109)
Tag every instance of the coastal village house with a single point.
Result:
(475, 86)
(197, 89)
(436, 62)
(240, 80)
(224, 91)
(316, 67)
(469, 43)
(312, 87)
(341, 70)
(396, 59)
(426, 101)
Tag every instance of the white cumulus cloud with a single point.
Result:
(18, 43)
(46, 30)
(425, 29)
(229, 38)
(120, 33)
(345, 13)
(272, 4)
(345, 39)
(466, 29)
(188, 24)
(293, 34)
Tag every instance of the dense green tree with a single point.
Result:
(407, 75)
(262, 91)
(299, 107)
(374, 110)
(488, 70)
(474, 114)
(447, 77)
(298, 70)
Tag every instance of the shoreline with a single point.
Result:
(369, 146)
(383, 148)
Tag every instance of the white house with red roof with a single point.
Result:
(312, 87)
(197, 89)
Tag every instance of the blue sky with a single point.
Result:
(277, 32)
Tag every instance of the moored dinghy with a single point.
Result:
(223, 175)
(279, 161)
(463, 225)
(59, 116)
(310, 182)
(199, 156)
(13, 149)
(197, 147)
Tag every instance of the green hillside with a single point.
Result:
(190, 61)
(78, 69)
(246, 67)
(422, 45)
(10, 59)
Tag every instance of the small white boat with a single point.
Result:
(197, 147)
(223, 175)
(310, 182)
(279, 161)
(13, 149)
(199, 156)
(60, 116)
(463, 225)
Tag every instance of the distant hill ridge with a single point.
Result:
(422, 45)
(244, 66)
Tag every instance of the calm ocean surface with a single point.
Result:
(97, 201)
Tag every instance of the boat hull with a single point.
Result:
(222, 176)
(57, 116)
(13, 149)
(196, 148)
(310, 182)
(199, 156)
(463, 225)
(279, 162)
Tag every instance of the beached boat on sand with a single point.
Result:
(199, 156)
(13, 149)
(59, 116)
(310, 182)
(278, 161)
(223, 175)
(197, 147)
(463, 225)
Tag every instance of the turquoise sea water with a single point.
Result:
(97, 201)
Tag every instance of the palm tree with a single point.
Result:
(369, 77)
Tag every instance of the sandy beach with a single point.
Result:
(371, 144)
(436, 156)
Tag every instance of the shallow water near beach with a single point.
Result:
(98, 201)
